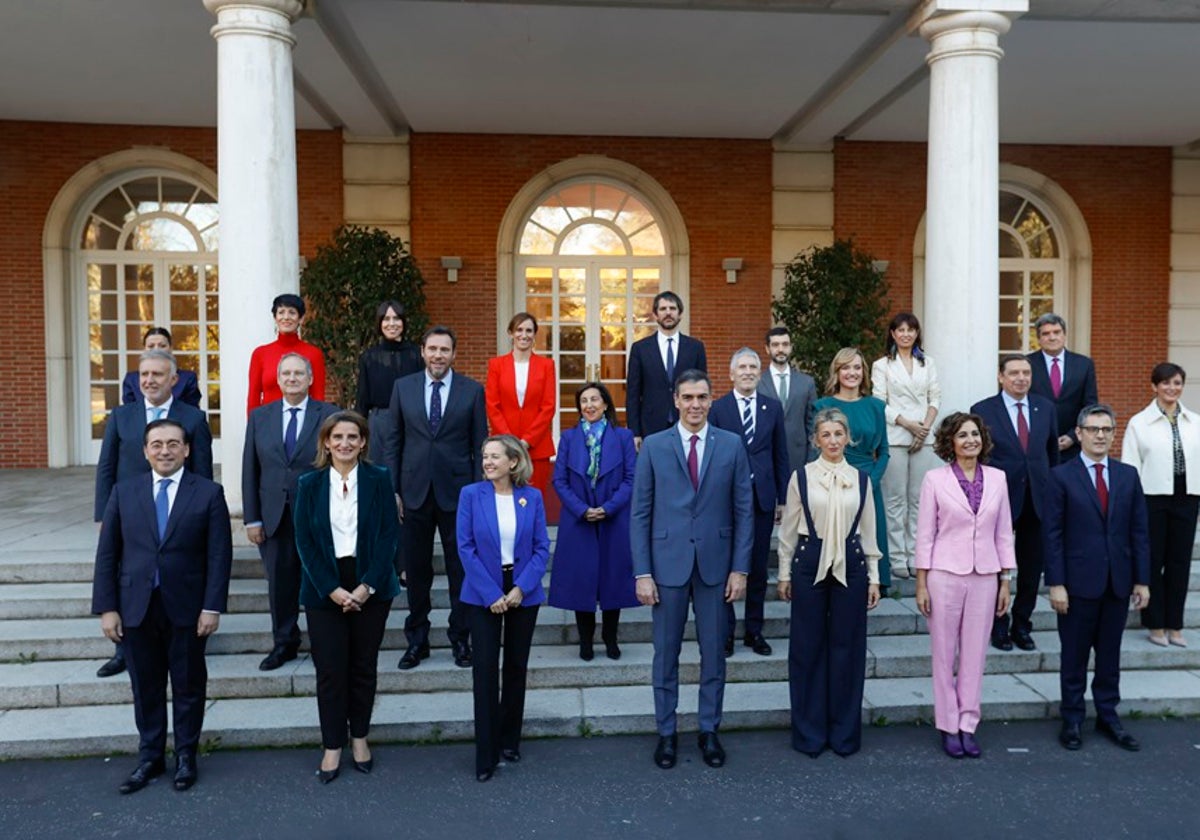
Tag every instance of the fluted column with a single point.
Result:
(256, 169)
(962, 193)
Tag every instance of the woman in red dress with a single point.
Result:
(288, 311)
(522, 396)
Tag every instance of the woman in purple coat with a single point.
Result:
(593, 475)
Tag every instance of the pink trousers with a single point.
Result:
(960, 623)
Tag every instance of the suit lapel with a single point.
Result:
(145, 501)
(489, 513)
(450, 403)
(1085, 482)
(1004, 421)
(275, 431)
(680, 455)
(312, 421)
(183, 498)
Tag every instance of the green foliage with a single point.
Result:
(343, 284)
(833, 298)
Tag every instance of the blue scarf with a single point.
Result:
(593, 433)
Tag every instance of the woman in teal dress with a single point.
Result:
(849, 390)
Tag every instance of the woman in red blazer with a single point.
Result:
(522, 395)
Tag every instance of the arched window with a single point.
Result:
(1032, 275)
(591, 256)
(147, 252)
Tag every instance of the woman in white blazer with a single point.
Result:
(906, 380)
(1162, 442)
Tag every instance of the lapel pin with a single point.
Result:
(521, 501)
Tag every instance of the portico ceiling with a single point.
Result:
(797, 71)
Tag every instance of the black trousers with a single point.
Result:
(1172, 532)
(282, 566)
(1027, 544)
(756, 581)
(153, 650)
(1092, 624)
(499, 690)
(345, 652)
(417, 537)
(827, 659)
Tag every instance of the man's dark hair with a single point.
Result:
(671, 296)
(440, 330)
(158, 424)
(692, 375)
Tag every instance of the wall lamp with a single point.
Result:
(731, 266)
(452, 265)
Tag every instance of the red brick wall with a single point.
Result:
(1124, 194)
(36, 159)
(462, 185)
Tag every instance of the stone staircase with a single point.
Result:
(52, 704)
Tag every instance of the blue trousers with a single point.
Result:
(670, 617)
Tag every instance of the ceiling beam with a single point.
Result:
(338, 29)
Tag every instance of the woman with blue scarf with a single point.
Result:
(593, 476)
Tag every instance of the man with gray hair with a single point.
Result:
(122, 454)
(758, 420)
(1066, 379)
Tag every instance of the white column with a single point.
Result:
(961, 225)
(256, 168)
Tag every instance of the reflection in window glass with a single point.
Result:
(593, 239)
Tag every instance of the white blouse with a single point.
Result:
(521, 372)
(343, 512)
(506, 517)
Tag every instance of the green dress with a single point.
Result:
(868, 451)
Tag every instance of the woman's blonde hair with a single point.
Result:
(515, 449)
(842, 358)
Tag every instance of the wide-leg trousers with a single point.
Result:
(1172, 534)
(499, 689)
(960, 623)
(901, 493)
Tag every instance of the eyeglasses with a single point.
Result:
(1098, 430)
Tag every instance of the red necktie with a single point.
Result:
(1022, 428)
(1055, 377)
(1101, 488)
(694, 464)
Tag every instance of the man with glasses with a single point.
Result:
(1097, 561)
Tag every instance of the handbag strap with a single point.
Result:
(802, 482)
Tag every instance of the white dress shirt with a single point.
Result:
(1062, 363)
(287, 415)
(1010, 405)
(343, 512)
(445, 380)
(1090, 466)
(152, 410)
(686, 436)
(662, 348)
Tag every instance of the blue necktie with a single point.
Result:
(671, 362)
(159, 412)
(435, 407)
(289, 436)
(162, 511)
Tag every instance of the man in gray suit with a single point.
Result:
(438, 425)
(691, 531)
(795, 390)
(281, 443)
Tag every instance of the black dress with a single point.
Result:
(378, 369)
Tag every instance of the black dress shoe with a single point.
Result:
(711, 749)
(759, 644)
(142, 775)
(511, 756)
(612, 650)
(112, 667)
(276, 658)
(1023, 640)
(587, 650)
(413, 656)
(1002, 641)
(462, 654)
(484, 775)
(729, 647)
(1117, 734)
(185, 771)
(667, 751)
(1069, 737)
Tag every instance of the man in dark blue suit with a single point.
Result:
(759, 421)
(433, 448)
(691, 533)
(122, 452)
(281, 444)
(1097, 559)
(160, 585)
(1025, 446)
(653, 364)
(1066, 379)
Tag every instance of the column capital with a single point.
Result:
(991, 18)
(266, 18)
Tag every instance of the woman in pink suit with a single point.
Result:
(964, 554)
(522, 395)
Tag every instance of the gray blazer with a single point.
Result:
(797, 412)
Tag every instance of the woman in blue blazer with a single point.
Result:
(503, 544)
(346, 532)
(593, 476)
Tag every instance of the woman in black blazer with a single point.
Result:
(346, 538)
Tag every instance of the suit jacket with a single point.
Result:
(905, 394)
(192, 560)
(768, 452)
(675, 528)
(479, 545)
(1022, 469)
(268, 475)
(422, 462)
(1084, 550)
(122, 452)
(375, 549)
(186, 388)
(953, 538)
(533, 421)
(649, 396)
(1078, 391)
(798, 413)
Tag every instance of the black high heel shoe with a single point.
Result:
(327, 776)
(364, 766)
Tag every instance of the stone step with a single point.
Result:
(560, 712)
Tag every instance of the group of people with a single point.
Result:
(675, 511)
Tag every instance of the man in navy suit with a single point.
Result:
(1097, 561)
(654, 362)
(691, 533)
(122, 452)
(759, 421)
(1066, 379)
(1025, 446)
(281, 444)
(795, 390)
(434, 446)
(160, 585)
